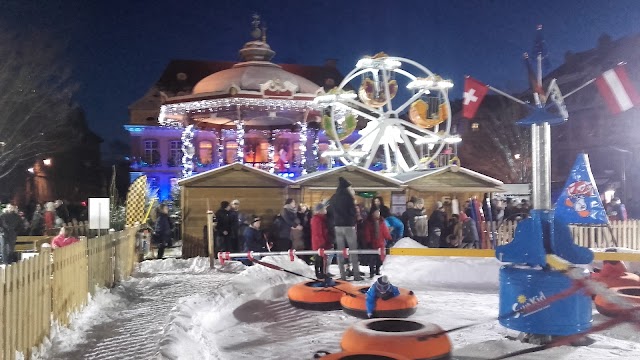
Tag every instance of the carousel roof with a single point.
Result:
(251, 76)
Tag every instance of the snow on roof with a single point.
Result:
(235, 166)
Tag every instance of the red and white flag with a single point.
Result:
(618, 92)
(474, 93)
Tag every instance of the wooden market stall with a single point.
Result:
(321, 185)
(260, 193)
(448, 183)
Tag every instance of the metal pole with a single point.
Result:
(210, 238)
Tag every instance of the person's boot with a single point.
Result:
(371, 271)
(377, 269)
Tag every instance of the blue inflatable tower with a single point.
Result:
(528, 278)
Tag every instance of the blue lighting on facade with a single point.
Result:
(134, 129)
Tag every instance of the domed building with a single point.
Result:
(201, 115)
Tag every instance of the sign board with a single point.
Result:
(398, 203)
(98, 213)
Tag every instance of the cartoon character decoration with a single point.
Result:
(283, 158)
(579, 202)
(576, 194)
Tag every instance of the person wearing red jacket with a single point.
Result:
(320, 239)
(375, 233)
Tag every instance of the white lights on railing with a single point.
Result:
(332, 153)
(454, 139)
(381, 63)
(430, 83)
(426, 140)
(331, 98)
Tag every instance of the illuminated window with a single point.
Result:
(231, 152)
(205, 152)
(475, 126)
(151, 155)
(175, 153)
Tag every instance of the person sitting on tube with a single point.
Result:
(382, 289)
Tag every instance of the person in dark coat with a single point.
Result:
(437, 223)
(11, 224)
(237, 219)
(224, 227)
(253, 239)
(162, 229)
(378, 204)
(284, 223)
(37, 222)
(304, 215)
(344, 217)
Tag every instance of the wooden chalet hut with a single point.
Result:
(260, 193)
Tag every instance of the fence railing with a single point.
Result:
(620, 233)
(75, 228)
(54, 284)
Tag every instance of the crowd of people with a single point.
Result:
(14, 223)
(341, 222)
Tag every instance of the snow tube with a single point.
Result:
(614, 274)
(631, 294)
(401, 306)
(411, 339)
(313, 295)
(363, 355)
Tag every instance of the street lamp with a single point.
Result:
(31, 170)
(46, 162)
(516, 156)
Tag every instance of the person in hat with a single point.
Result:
(436, 224)
(344, 219)
(381, 289)
(253, 239)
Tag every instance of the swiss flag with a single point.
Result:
(474, 93)
(618, 92)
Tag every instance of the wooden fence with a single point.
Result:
(624, 234)
(52, 285)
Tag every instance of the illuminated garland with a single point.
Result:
(272, 153)
(303, 146)
(188, 151)
(240, 140)
(213, 105)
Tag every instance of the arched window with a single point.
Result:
(205, 152)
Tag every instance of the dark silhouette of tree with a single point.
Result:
(498, 147)
(35, 99)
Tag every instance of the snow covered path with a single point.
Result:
(127, 323)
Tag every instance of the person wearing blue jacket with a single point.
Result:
(382, 289)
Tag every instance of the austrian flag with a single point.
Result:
(618, 92)
(474, 93)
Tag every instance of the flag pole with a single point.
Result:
(579, 88)
(507, 95)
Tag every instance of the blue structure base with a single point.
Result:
(522, 286)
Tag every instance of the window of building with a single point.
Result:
(205, 152)
(151, 154)
(231, 152)
(175, 153)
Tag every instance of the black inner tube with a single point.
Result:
(394, 326)
(631, 292)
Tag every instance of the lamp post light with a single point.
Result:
(47, 162)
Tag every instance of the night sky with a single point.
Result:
(118, 49)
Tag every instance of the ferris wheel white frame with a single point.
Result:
(383, 120)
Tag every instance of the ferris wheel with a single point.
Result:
(406, 110)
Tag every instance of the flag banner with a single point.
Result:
(474, 93)
(617, 90)
(580, 201)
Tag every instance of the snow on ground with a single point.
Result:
(180, 309)
(126, 322)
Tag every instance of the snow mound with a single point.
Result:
(195, 321)
(422, 273)
(192, 265)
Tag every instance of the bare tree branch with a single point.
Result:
(35, 99)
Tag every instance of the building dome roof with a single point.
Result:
(256, 72)
(251, 76)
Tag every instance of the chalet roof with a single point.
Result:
(361, 178)
(255, 177)
(450, 178)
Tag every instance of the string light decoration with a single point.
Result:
(215, 105)
(272, 152)
(240, 140)
(303, 146)
(188, 150)
(316, 148)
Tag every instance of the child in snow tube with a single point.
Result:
(382, 289)
(380, 300)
